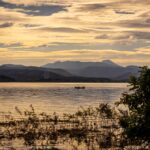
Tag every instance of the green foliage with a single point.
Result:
(136, 120)
(105, 111)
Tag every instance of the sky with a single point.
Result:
(36, 32)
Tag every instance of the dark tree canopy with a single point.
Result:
(136, 122)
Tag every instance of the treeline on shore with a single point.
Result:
(57, 79)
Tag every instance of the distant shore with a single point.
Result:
(69, 80)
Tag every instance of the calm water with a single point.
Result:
(59, 97)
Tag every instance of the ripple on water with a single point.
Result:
(58, 97)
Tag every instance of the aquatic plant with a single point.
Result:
(91, 128)
(86, 127)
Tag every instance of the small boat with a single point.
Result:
(79, 87)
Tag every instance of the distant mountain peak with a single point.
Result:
(12, 66)
(109, 62)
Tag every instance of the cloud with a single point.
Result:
(38, 58)
(125, 35)
(14, 45)
(60, 29)
(124, 12)
(35, 10)
(75, 30)
(6, 25)
(135, 24)
(91, 7)
(141, 35)
(103, 36)
(30, 25)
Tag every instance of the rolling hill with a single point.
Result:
(20, 73)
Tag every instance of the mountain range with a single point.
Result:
(104, 69)
(30, 73)
(68, 71)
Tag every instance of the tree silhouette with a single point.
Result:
(136, 120)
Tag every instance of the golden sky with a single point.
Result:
(35, 32)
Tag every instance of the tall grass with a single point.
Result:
(93, 128)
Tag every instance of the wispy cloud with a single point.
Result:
(112, 29)
(6, 25)
(35, 10)
(60, 29)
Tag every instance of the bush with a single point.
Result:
(136, 120)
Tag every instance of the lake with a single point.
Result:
(57, 97)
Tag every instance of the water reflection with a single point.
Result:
(58, 97)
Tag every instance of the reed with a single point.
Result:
(92, 128)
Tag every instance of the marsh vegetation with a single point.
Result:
(92, 128)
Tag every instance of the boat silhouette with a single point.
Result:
(79, 87)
